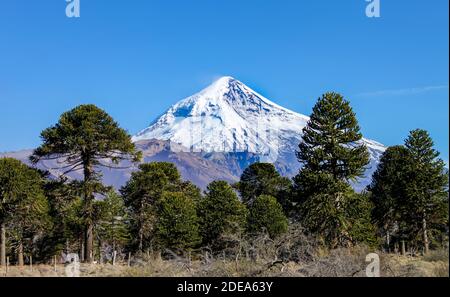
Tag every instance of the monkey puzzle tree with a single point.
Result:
(332, 155)
(86, 138)
(263, 179)
(177, 222)
(266, 215)
(21, 195)
(331, 140)
(388, 192)
(112, 225)
(143, 191)
(220, 213)
(427, 188)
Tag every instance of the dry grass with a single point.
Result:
(336, 263)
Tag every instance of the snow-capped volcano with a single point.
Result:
(216, 134)
(229, 117)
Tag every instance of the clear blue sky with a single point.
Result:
(136, 58)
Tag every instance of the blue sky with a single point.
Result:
(136, 58)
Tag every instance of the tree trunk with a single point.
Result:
(3, 245)
(403, 248)
(388, 241)
(89, 198)
(89, 243)
(20, 254)
(426, 244)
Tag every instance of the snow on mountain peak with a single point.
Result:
(230, 117)
(227, 116)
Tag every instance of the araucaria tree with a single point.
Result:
(221, 214)
(266, 215)
(21, 196)
(387, 192)
(332, 155)
(410, 193)
(177, 222)
(143, 192)
(84, 139)
(427, 190)
(263, 179)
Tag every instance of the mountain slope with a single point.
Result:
(229, 117)
(216, 134)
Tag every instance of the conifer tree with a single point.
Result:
(113, 223)
(266, 215)
(177, 222)
(331, 140)
(388, 193)
(221, 213)
(85, 138)
(141, 193)
(21, 194)
(427, 189)
(263, 179)
(332, 155)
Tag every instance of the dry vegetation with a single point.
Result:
(339, 263)
(292, 255)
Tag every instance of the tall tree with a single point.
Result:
(86, 138)
(388, 193)
(142, 192)
(332, 155)
(30, 222)
(20, 190)
(427, 189)
(113, 222)
(331, 140)
(177, 222)
(221, 213)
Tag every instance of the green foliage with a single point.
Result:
(65, 210)
(85, 138)
(23, 205)
(221, 213)
(330, 140)
(144, 190)
(388, 193)
(410, 191)
(113, 222)
(266, 215)
(263, 179)
(427, 189)
(331, 155)
(360, 228)
(177, 224)
(322, 207)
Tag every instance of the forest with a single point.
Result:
(404, 211)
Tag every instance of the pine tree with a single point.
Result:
(410, 192)
(427, 190)
(113, 222)
(221, 214)
(331, 140)
(65, 210)
(266, 215)
(387, 192)
(263, 179)
(143, 191)
(84, 138)
(332, 155)
(30, 222)
(177, 222)
(21, 196)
